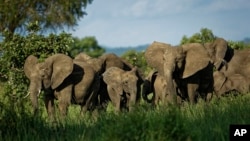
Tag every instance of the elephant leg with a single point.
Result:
(209, 96)
(192, 90)
(84, 109)
(155, 99)
(49, 104)
(64, 100)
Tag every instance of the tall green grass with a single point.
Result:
(202, 121)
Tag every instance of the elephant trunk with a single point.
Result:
(171, 87)
(132, 99)
(34, 90)
(171, 91)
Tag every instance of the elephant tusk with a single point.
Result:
(27, 95)
(39, 91)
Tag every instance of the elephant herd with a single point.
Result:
(180, 73)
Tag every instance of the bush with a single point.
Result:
(14, 50)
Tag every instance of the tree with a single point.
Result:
(17, 48)
(136, 59)
(205, 35)
(51, 14)
(88, 45)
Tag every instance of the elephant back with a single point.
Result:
(239, 63)
(112, 60)
(154, 55)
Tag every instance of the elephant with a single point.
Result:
(235, 65)
(187, 68)
(103, 63)
(62, 78)
(154, 83)
(122, 87)
(235, 82)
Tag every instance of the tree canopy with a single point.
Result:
(88, 45)
(51, 14)
(205, 35)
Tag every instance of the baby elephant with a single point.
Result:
(122, 87)
(235, 82)
(155, 83)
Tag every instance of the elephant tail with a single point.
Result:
(148, 86)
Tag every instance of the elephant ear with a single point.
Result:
(112, 76)
(154, 55)
(151, 75)
(29, 64)
(217, 50)
(62, 67)
(197, 58)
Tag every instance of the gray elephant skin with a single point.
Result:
(122, 87)
(189, 65)
(103, 63)
(233, 70)
(62, 78)
(154, 83)
(235, 82)
(238, 62)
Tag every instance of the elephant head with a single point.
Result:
(154, 55)
(49, 74)
(121, 85)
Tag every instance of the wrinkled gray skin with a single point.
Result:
(238, 62)
(235, 66)
(155, 83)
(122, 87)
(190, 66)
(104, 62)
(61, 78)
(217, 51)
(235, 82)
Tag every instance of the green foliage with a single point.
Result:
(237, 45)
(136, 59)
(50, 14)
(88, 45)
(14, 50)
(205, 35)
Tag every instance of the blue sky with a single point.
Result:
(117, 23)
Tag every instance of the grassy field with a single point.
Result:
(206, 122)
